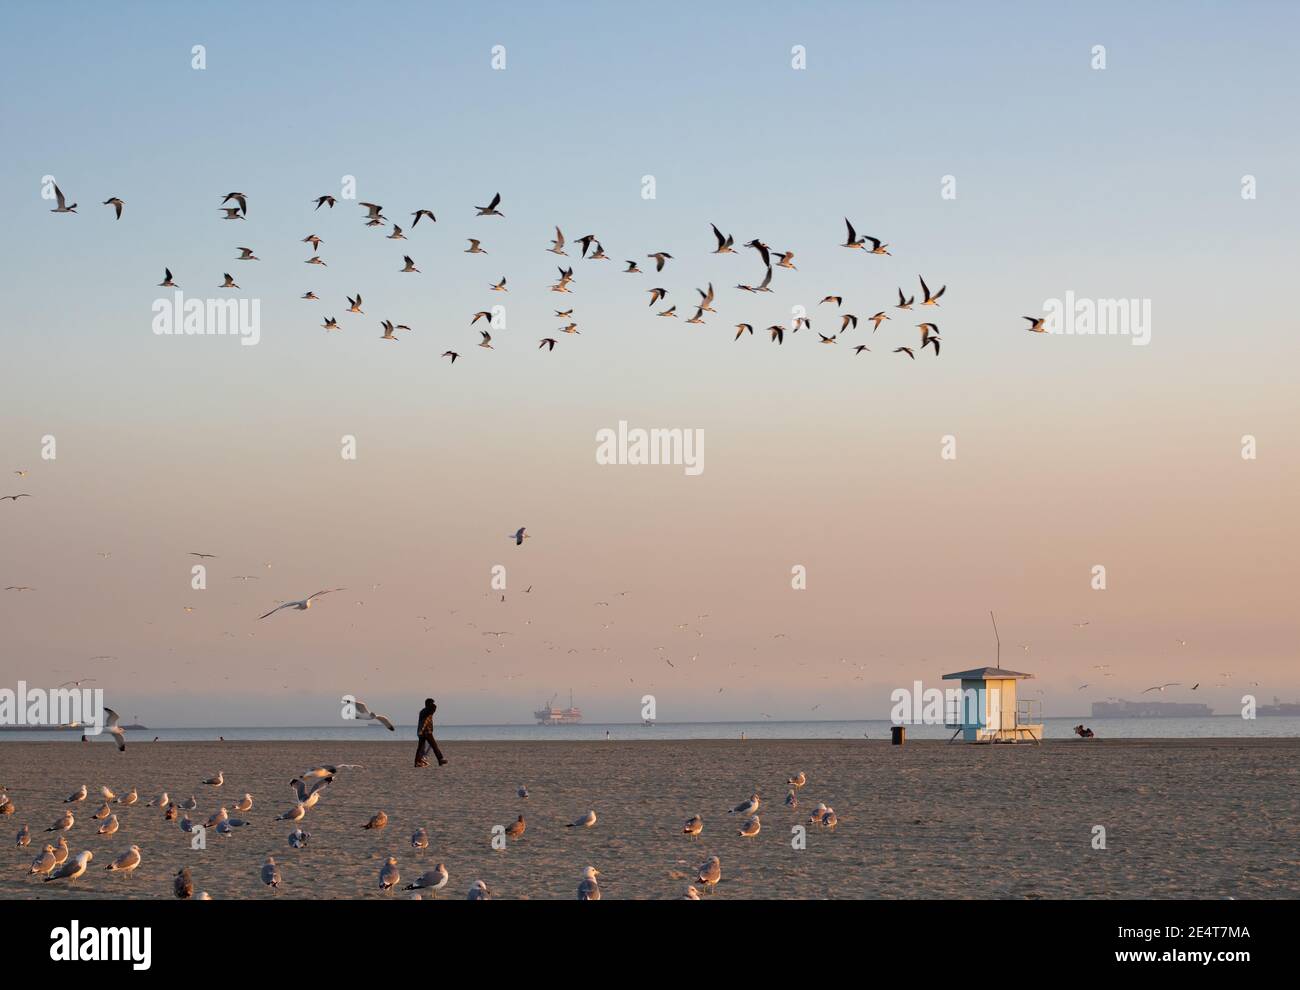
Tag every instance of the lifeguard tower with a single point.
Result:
(987, 710)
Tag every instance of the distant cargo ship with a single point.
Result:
(1291, 708)
(550, 715)
(1149, 709)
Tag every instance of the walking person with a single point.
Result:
(424, 729)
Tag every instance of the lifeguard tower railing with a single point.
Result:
(1029, 711)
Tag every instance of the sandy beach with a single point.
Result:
(1183, 819)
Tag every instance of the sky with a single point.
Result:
(1072, 451)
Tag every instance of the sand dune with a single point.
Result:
(1195, 818)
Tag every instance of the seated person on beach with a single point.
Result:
(1083, 733)
(424, 729)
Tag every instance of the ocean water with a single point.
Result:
(1214, 727)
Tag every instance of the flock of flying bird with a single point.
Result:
(593, 250)
(54, 861)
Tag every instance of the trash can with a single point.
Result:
(898, 735)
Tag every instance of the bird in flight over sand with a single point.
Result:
(116, 204)
(548, 343)
(1161, 687)
(325, 201)
(852, 240)
(725, 244)
(451, 354)
(660, 258)
(364, 714)
(557, 245)
(302, 604)
(422, 213)
(473, 247)
(238, 197)
(519, 536)
(1037, 324)
(905, 350)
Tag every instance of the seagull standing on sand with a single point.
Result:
(74, 869)
(78, 795)
(746, 807)
(586, 821)
(127, 862)
(218, 780)
(750, 828)
(710, 873)
(389, 877)
(43, 863)
(478, 891)
(694, 825)
(64, 823)
(270, 872)
(588, 889)
(432, 880)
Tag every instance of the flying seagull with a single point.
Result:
(116, 204)
(491, 209)
(62, 207)
(931, 300)
(724, 243)
(167, 282)
(364, 713)
(303, 604)
(519, 536)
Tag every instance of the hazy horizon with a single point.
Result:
(1072, 451)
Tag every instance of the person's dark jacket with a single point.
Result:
(425, 724)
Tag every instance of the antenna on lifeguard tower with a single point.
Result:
(996, 636)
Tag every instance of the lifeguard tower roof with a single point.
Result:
(986, 674)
